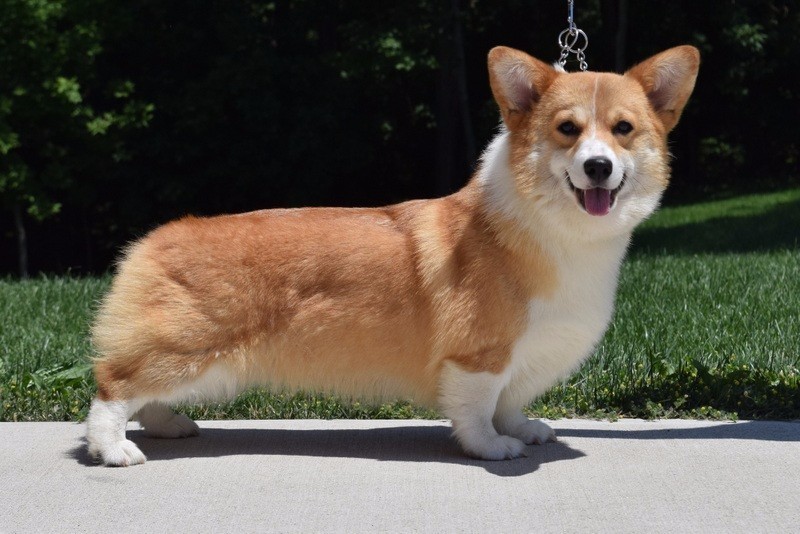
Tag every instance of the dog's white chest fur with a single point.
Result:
(562, 330)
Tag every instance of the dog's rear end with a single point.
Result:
(267, 297)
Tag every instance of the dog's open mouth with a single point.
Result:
(598, 200)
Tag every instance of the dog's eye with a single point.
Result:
(568, 128)
(623, 128)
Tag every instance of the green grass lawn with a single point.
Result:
(707, 325)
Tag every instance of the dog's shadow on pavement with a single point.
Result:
(417, 444)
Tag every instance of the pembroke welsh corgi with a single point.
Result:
(474, 303)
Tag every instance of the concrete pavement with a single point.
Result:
(407, 476)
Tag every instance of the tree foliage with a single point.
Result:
(52, 108)
(116, 116)
(51, 104)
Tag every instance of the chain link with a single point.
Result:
(573, 40)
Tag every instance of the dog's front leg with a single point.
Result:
(509, 420)
(469, 399)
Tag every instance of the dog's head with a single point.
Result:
(587, 150)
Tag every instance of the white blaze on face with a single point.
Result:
(592, 147)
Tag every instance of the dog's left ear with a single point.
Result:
(668, 80)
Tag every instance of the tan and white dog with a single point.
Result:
(474, 303)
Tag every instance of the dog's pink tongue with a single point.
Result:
(597, 201)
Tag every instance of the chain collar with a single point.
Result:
(573, 40)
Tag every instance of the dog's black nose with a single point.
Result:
(598, 169)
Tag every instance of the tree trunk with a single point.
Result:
(454, 137)
(22, 240)
(445, 112)
(461, 84)
(621, 40)
(87, 239)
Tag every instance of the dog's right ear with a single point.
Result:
(518, 81)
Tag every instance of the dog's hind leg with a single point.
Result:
(105, 432)
(137, 388)
(159, 421)
(125, 387)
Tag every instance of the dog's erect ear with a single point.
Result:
(668, 79)
(518, 82)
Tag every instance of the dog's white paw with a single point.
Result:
(534, 432)
(177, 426)
(496, 448)
(118, 453)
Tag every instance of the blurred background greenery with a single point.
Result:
(117, 116)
